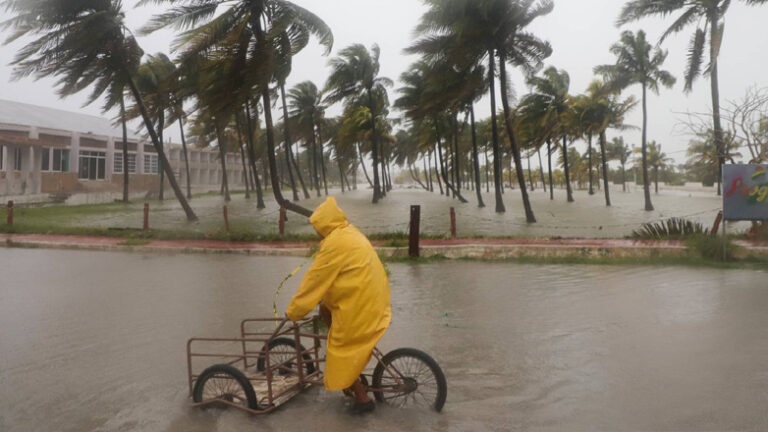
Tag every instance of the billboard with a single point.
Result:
(745, 196)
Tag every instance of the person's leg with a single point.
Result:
(361, 395)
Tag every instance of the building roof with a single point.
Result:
(21, 114)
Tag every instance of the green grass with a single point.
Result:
(749, 263)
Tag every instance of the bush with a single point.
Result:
(670, 229)
(711, 247)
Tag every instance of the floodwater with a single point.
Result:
(96, 342)
(587, 217)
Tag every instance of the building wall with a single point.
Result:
(94, 157)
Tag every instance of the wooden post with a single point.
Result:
(716, 226)
(146, 216)
(226, 218)
(282, 220)
(413, 240)
(453, 222)
(9, 217)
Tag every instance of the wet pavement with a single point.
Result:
(96, 342)
(586, 218)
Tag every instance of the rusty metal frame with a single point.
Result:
(295, 331)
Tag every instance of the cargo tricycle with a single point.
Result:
(263, 369)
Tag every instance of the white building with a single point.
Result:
(49, 151)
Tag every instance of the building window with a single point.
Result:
(151, 164)
(118, 168)
(17, 152)
(60, 160)
(92, 165)
(46, 165)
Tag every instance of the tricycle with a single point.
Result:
(261, 370)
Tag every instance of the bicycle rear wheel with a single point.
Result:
(409, 377)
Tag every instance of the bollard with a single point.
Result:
(716, 226)
(226, 218)
(413, 239)
(282, 220)
(453, 223)
(9, 217)
(146, 216)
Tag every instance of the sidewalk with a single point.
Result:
(449, 248)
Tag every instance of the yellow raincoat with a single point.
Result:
(349, 278)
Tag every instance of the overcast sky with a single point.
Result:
(580, 31)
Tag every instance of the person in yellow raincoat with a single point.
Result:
(350, 280)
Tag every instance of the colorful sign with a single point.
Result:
(745, 194)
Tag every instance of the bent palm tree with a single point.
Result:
(638, 63)
(355, 80)
(84, 43)
(708, 16)
(251, 35)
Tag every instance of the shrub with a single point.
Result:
(673, 228)
(711, 247)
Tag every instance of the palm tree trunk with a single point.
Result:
(287, 144)
(656, 179)
(341, 173)
(161, 128)
(495, 134)
(591, 181)
(362, 163)
(223, 156)
(541, 171)
(315, 175)
(322, 158)
(549, 170)
(646, 184)
(530, 176)
(126, 177)
(252, 157)
(529, 216)
(437, 172)
(261, 36)
(567, 170)
(160, 151)
(714, 83)
(238, 126)
(475, 157)
(448, 185)
(186, 157)
(487, 173)
(623, 177)
(603, 153)
(428, 173)
(456, 160)
(374, 150)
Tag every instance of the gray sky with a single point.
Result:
(581, 32)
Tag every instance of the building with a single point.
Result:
(54, 152)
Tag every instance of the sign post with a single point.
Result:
(745, 194)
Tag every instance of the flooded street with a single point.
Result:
(586, 218)
(96, 342)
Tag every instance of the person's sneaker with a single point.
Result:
(363, 407)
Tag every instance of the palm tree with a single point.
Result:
(307, 113)
(250, 35)
(355, 80)
(657, 160)
(83, 43)
(708, 16)
(638, 63)
(620, 151)
(550, 105)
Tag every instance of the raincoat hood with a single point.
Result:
(328, 217)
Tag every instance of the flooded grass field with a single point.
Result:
(96, 342)
(586, 218)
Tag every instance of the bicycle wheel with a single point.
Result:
(407, 376)
(283, 351)
(225, 383)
